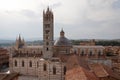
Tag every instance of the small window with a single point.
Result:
(47, 37)
(64, 70)
(47, 49)
(45, 67)
(99, 53)
(54, 70)
(23, 63)
(47, 25)
(90, 53)
(47, 31)
(30, 64)
(15, 63)
(41, 52)
(82, 53)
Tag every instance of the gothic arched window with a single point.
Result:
(37, 64)
(64, 70)
(99, 53)
(82, 53)
(30, 64)
(15, 63)
(54, 70)
(47, 37)
(41, 52)
(90, 53)
(44, 67)
(23, 63)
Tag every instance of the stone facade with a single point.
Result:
(4, 57)
(51, 69)
(89, 51)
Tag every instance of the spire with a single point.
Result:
(62, 30)
(23, 41)
(43, 12)
(62, 33)
(19, 38)
(20, 42)
(48, 9)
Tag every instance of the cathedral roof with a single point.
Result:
(62, 40)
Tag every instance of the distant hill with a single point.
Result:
(104, 42)
(6, 41)
(117, 40)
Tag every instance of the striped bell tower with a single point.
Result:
(48, 32)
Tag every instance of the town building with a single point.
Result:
(4, 57)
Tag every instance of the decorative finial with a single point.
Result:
(48, 8)
(62, 30)
(62, 33)
(19, 37)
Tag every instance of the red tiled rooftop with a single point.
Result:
(98, 70)
(79, 73)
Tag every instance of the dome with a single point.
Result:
(62, 40)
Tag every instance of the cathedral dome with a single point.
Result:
(62, 40)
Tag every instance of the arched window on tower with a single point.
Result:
(30, 64)
(64, 70)
(47, 31)
(23, 63)
(54, 70)
(47, 49)
(15, 63)
(47, 37)
(44, 67)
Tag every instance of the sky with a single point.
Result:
(80, 19)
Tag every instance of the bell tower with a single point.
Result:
(48, 32)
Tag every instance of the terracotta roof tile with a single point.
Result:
(98, 70)
(75, 74)
(79, 73)
(111, 72)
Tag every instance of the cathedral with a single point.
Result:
(39, 60)
(47, 62)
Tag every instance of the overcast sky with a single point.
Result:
(80, 19)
